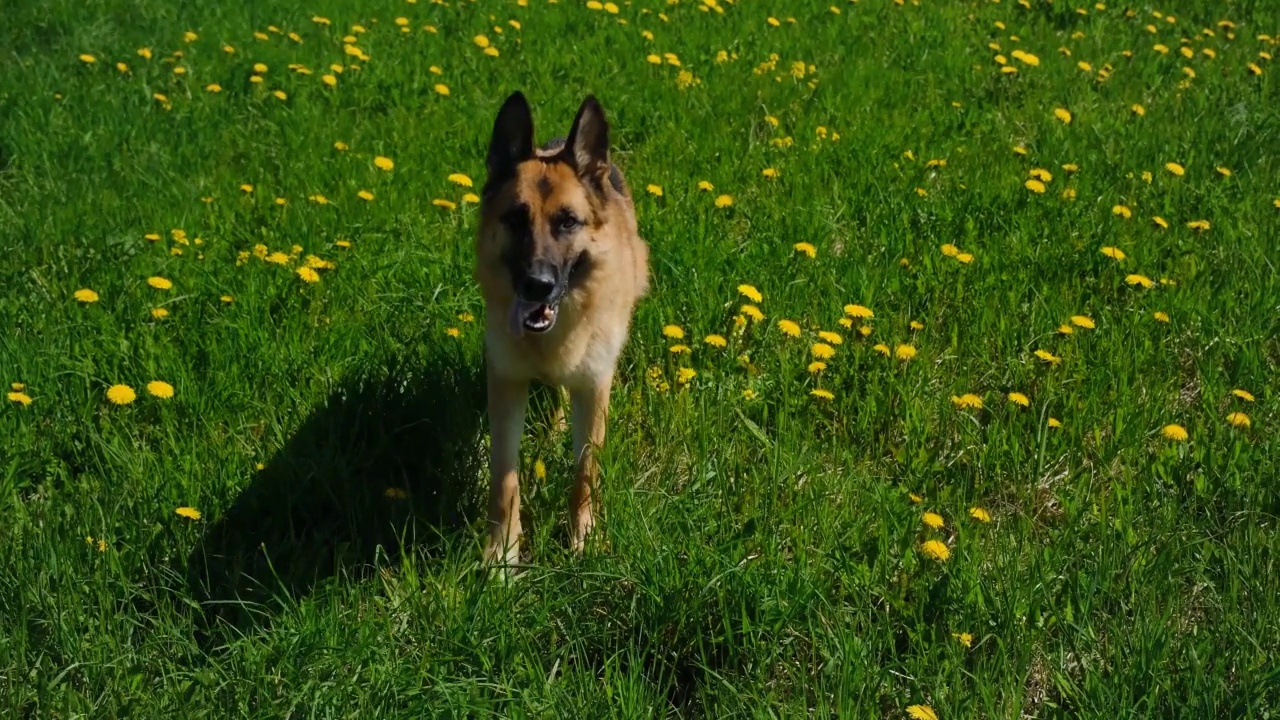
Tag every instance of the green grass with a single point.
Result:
(756, 557)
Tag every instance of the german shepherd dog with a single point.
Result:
(561, 265)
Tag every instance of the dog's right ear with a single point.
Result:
(512, 141)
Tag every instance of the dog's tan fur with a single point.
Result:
(580, 351)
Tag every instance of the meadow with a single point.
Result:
(954, 395)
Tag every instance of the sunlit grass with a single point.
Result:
(954, 392)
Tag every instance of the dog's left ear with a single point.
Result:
(588, 143)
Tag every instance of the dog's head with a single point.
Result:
(545, 212)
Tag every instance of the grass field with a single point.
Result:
(1037, 476)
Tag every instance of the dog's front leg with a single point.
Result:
(590, 415)
(507, 401)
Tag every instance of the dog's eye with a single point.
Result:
(566, 222)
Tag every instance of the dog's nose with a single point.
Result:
(538, 283)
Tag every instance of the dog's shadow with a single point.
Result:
(389, 462)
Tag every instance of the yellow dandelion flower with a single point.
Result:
(1065, 329)
(1122, 211)
(1244, 395)
(213, 88)
(88, 59)
(1083, 321)
(932, 519)
(859, 311)
(1055, 422)
(160, 389)
(949, 250)
(979, 514)
(823, 351)
(1114, 253)
(915, 498)
(384, 163)
(968, 401)
(816, 367)
(1048, 357)
(85, 295)
(188, 512)
(144, 53)
(453, 332)
(19, 397)
(1255, 69)
(1136, 279)
(675, 332)
(1160, 222)
(685, 375)
(831, 337)
(1035, 186)
(1200, 225)
(845, 322)
(964, 258)
(121, 394)
(964, 639)
(822, 394)
(1020, 399)
(471, 198)
(160, 283)
(1223, 171)
(934, 550)
(1063, 114)
(1239, 419)
(442, 89)
(881, 348)
(1026, 58)
(806, 249)
(159, 313)
(655, 190)
(308, 274)
(277, 258)
(789, 327)
(1175, 168)
(916, 325)
(715, 341)
(228, 299)
(904, 352)
(1174, 432)
(1161, 316)
(724, 201)
(365, 195)
(1041, 174)
(460, 179)
(751, 293)
(752, 312)
(680, 349)
(705, 186)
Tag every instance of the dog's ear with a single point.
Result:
(588, 143)
(512, 141)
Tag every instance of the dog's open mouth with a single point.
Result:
(533, 317)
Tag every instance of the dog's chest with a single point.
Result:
(575, 354)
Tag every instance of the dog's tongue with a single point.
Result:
(520, 309)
